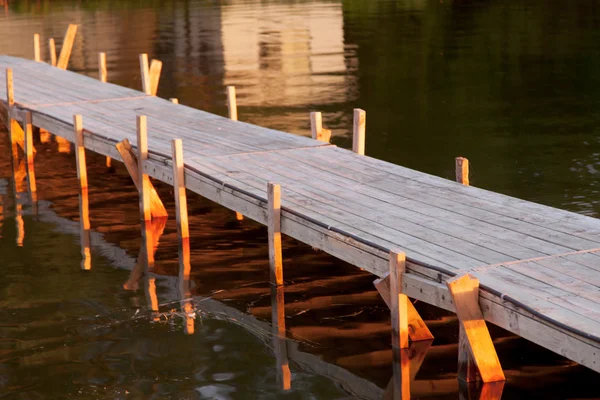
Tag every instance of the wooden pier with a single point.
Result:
(530, 269)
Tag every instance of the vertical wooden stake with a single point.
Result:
(80, 152)
(102, 71)
(462, 170)
(465, 294)
(398, 301)
(144, 71)
(10, 90)
(316, 125)
(358, 131)
(274, 228)
(36, 48)
(232, 103)
(67, 47)
(52, 51)
(143, 179)
(233, 114)
(174, 100)
(31, 185)
(179, 189)
(154, 73)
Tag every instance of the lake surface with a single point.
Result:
(513, 86)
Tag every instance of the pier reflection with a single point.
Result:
(284, 376)
(84, 230)
(184, 284)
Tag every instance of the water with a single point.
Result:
(513, 86)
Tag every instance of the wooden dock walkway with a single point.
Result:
(538, 267)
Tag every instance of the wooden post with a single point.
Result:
(358, 131)
(284, 376)
(154, 73)
(15, 132)
(417, 329)
(84, 229)
(130, 160)
(400, 382)
(316, 128)
(102, 71)
(67, 47)
(143, 179)
(274, 228)
(103, 76)
(462, 170)
(398, 301)
(233, 114)
(179, 189)
(144, 70)
(232, 103)
(10, 89)
(80, 151)
(52, 51)
(187, 306)
(174, 100)
(36, 48)
(28, 128)
(465, 294)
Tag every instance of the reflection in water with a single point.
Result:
(84, 229)
(484, 391)
(184, 284)
(284, 376)
(18, 176)
(405, 366)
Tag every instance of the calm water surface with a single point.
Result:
(514, 86)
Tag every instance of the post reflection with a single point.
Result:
(480, 391)
(64, 146)
(84, 229)
(405, 365)
(151, 233)
(18, 176)
(284, 376)
(187, 307)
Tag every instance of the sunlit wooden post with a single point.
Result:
(179, 189)
(52, 51)
(103, 77)
(80, 151)
(462, 170)
(143, 179)
(274, 230)
(144, 71)
(67, 47)
(233, 114)
(174, 100)
(398, 300)
(31, 185)
(316, 127)
(358, 131)
(36, 48)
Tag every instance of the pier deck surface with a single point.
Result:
(539, 267)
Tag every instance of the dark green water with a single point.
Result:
(512, 85)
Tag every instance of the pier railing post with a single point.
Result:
(358, 131)
(150, 74)
(179, 189)
(143, 178)
(15, 132)
(36, 48)
(144, 72)
(274, 230)
(465, 295)
(398, 300)
(52, 51)
(155, 69)
(316, 127)
(233, 114)
(80, 151)
(103, 77)
(67, 47)
(462, 170)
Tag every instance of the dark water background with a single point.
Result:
(512, 85)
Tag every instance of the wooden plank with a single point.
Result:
(154, 73)
(358, 131)
(465, 293)
(36, 48)
(145, 74)
(131, 163)
(462, 170)
(398, 301)
(274, 228)
(67, 47)
(179, 189)
(143, 179)
(80, 151)
(52, 51)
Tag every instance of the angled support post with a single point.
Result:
(155, 69)
(31, 185)
(233, 114)
(274, 228)
(417, 329)
(130, 160)
(150, 74)
(465, 294)
(358, 131)
(52, 51)
(462, 170)
(316, 127)
(67, 47)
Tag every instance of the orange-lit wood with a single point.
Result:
(179, 189)
(145, 74)
(184, 283)
(462, 170)
(154, 74)
(284, 375)
(465, 294)
(80, 151)
(52, 51)
(67, 47)
(274, 228)
(359, 131)
(233, 114)
(398, 301)
(84, 229)
(467, 370)
(143, 178)
(37, 56)
(316, 127)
